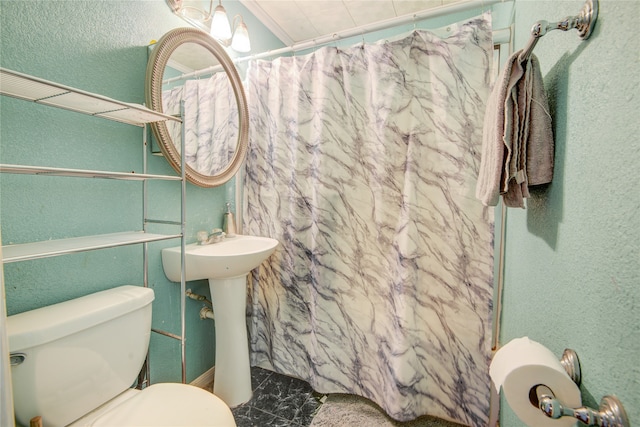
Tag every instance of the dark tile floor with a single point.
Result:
(278, 401)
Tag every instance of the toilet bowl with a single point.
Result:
(164, 404)
(73, 364)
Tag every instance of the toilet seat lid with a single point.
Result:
(169, 404)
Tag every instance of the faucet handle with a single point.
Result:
(202, 237)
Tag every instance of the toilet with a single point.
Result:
(74, 364)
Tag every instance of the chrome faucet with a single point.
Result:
(205, 238)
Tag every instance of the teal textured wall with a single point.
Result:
(572, 276)
(101, 47)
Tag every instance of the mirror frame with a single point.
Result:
(158, 60)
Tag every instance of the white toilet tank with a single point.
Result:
(72, 357)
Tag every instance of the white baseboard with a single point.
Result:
(204, 380)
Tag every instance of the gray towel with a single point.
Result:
(517, 146)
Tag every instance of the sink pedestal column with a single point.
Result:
(232, 376)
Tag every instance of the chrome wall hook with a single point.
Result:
(583, 22)
(586, 19)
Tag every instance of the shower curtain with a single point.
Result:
(362, 163)
(211, 121)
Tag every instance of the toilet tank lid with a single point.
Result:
(46, 324)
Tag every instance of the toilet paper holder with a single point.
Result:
(610, 414)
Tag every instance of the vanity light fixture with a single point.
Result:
(220, 29)
(216, 23)
(240, 41)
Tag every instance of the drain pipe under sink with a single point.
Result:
(206, 313)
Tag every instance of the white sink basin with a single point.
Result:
(231, 257)
(226, 265)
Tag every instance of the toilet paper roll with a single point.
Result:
(521, 366)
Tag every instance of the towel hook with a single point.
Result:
(583, 22)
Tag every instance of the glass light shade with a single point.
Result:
(241, 42)
(220, 28)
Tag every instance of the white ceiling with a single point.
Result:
(294, 21)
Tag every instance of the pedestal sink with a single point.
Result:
(226, 265)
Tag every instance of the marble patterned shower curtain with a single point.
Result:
(211, 121)
(362, 163)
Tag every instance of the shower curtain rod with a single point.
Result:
(499, 36)
(369, 28)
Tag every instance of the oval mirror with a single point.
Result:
(189, 70)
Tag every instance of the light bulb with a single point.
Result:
(220, 24)
(241, 42)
